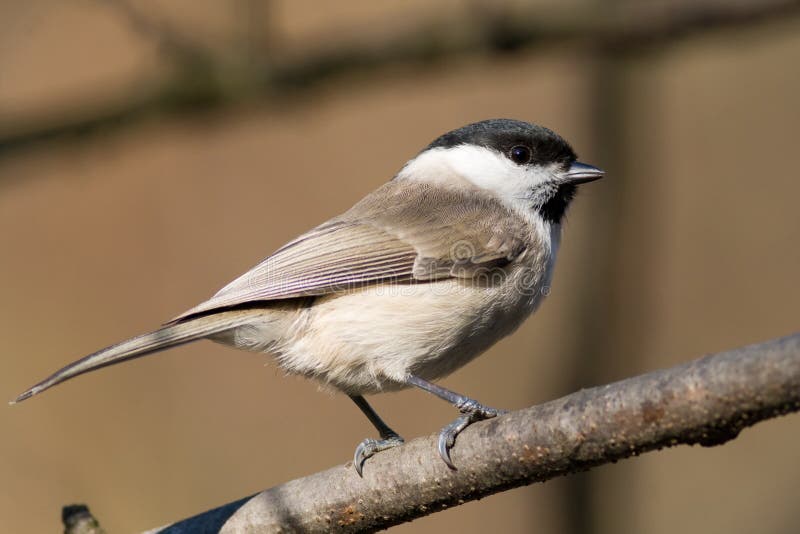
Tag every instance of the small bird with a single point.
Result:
(414, 281)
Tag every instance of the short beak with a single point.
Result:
(580, 173)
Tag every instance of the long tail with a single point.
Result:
(168, 336)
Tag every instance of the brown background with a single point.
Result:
(106, 236)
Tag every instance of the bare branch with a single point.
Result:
(173, 43)
(635, 29)
(78, 519)
(707, 401)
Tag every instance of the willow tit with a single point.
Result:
(418, 278)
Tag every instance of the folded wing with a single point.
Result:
(395, 235)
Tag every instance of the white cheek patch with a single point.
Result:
(484, 168)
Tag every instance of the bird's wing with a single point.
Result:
(396, 234)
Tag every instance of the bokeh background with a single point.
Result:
(151, 151)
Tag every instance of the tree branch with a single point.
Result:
(202, 83)
(707, 401)
(78, 519)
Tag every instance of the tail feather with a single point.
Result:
(168, 336)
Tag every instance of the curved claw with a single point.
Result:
(369, 447)
(447, 437)
(444, 452)
(361, 454)
(472, 412)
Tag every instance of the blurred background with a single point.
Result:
(151, 151)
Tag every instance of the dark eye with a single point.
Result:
(520, 154)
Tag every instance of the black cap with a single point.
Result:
(504, 134)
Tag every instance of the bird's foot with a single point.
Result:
(472, 412)
(370, 446)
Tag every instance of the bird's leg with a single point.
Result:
(471, 410)
(368, 447)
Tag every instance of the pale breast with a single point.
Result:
(370, 339)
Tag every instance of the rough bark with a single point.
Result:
(706, 401)
(77, 519)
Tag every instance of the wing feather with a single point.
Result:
(395, 235)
